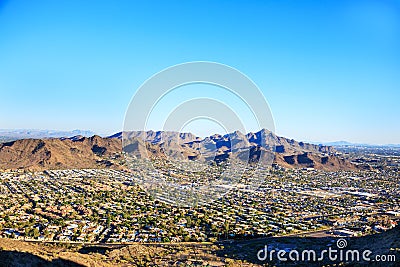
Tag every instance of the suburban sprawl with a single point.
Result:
(108, 206)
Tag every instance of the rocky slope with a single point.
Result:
(98, 152)
(76, 152)
(252, 146)
(229, 253)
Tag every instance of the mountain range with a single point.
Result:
(251, 146)
(7, 135)
(98, 152)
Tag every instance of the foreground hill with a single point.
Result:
(98, 152)
(76, 152)
(227, 253)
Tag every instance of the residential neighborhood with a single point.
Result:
(108, 206)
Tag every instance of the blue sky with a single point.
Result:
(330, 70)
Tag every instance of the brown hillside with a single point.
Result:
(37, 154)
(96, 152)
(313, 160)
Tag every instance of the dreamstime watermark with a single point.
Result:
(341, 254)
(185, 172)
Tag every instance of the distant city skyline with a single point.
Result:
(330, 71)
